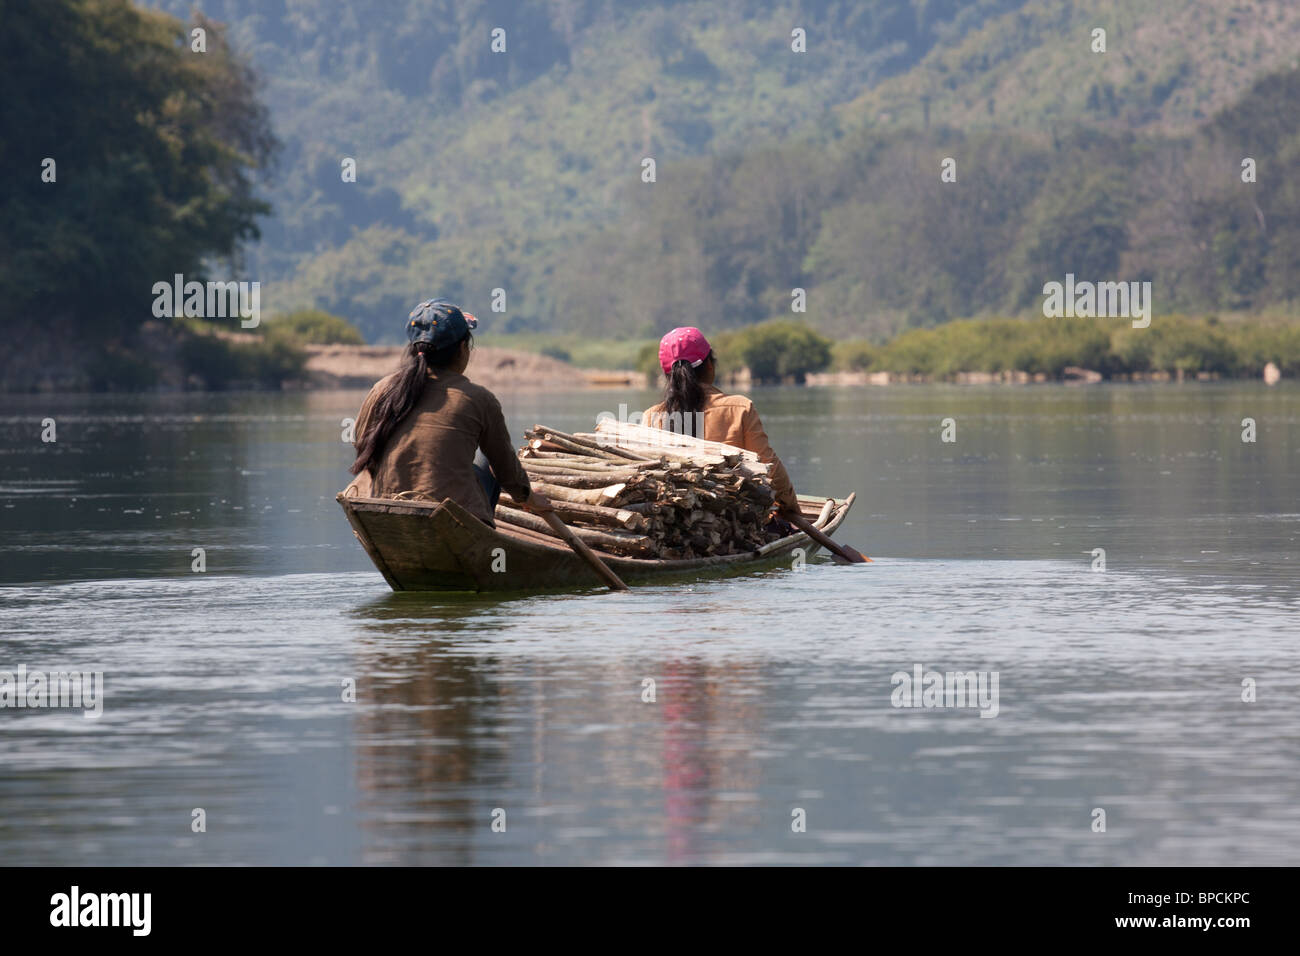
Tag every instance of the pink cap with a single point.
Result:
(684, 343)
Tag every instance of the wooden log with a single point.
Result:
(674, 454)
(649, 508)
(544, 464)
(614, 542)
(577, 468)
(577, 479)
(558, 459)
(604, 495)
(574, 481)
(589, 442)
(552, 438)
(627, 433)
(730, 462)
(573, 511)
(684, 499)
(531, 451)
(507, 528)
(573, 458)
(713, 503)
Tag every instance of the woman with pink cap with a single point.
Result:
(693, 406)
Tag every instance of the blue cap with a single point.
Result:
(439, 323)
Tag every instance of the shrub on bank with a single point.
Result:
(556, 352)
(256, 360)
(117, 369)
(1183, 345)
(1171, 344)
(779, 349)
(853, 356)
(315, 327)
(647, 361)
(1256, 346)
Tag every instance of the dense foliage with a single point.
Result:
(478, 170)
(314, 327)
(880, 244)
(128, 158)
(155, 151)
(776, 351)
(1173, 344)
(520, 171)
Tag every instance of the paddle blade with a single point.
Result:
(855, 556)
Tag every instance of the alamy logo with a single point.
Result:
(668, 422)
(102, 909)
(208, 300)
(1087, 300)
(935, 689)
(37, 689)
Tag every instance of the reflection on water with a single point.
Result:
(771, 691)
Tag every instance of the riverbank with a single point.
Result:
(1071, 375)
(360, 366)
(191, 355)
(1025, 350)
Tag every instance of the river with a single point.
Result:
(750, 719)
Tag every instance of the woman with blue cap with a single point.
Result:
(429, 431)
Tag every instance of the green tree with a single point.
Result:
(782, 349)
(1077, 224)
(156, 153)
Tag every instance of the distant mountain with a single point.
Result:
(521, 170)
(475, 169)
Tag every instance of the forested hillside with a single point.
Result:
(521, 170)
(1170, 64)
(776, 169)
(478, 170)
(880, 243)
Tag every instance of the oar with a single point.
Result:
(580, 548)
(841, 554)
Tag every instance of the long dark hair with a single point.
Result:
(400, 395)
(684, 395)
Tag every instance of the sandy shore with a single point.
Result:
(360, 366)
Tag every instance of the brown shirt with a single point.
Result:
(431, 451)
(731, 419)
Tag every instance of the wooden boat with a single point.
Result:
(439, 546)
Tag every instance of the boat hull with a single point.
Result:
(439, 546)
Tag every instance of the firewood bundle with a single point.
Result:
(640, 492)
